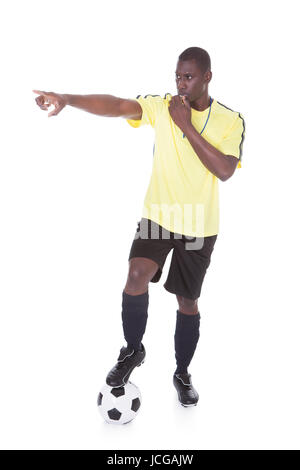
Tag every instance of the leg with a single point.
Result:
(134, 317)
(186, 274)
(136, 299)
(186, 333)
(186, 338)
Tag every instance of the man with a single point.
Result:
(197, 142)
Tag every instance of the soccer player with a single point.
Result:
(198, 141)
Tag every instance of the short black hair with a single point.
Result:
(199, 55)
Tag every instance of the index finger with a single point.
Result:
(39, 92)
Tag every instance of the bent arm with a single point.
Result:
(106, 105)
(219, 164)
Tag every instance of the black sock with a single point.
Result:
(134, 318)
(186, 337)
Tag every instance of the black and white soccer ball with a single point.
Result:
(119, 405)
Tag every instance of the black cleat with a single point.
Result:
(187, 395)
(127, 361)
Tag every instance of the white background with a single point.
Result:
(71, 193)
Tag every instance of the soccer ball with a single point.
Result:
(119, 405)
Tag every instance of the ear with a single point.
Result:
(208, 76)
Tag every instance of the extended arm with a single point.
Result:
(106, 105)
(102, 105)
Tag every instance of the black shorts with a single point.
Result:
(190, 258)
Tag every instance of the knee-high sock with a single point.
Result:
(186, 337)
(134, 318)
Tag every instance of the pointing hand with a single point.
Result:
(47, 99)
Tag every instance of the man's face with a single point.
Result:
(190, 80)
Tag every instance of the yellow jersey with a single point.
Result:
(183, 195)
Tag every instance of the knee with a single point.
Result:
(187, 305)
(136, 276)
(141, 271)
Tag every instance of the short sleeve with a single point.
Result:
(151, 106)
(232, 143)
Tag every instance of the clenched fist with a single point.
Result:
(180, 111)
